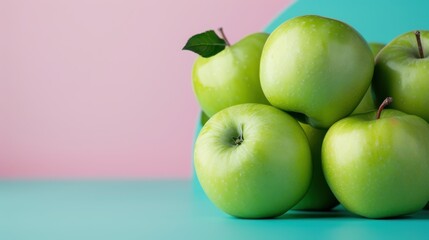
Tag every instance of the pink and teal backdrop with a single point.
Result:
(101, 88)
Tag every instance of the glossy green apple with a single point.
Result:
(317, 68)
(319, 196)
(253, 161)
(403, 75)
(230, 77)
(378, 168)
(367, 103)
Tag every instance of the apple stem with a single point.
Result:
(419, 44)
(386, 102)
(238, 140)
(224, 37)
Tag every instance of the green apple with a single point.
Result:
(231, 76)
(319, 196)
(402, 73)
(367, 103)
(378, 168)
(316, 68)
(253, 161)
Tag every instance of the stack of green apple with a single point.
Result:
(311, 116)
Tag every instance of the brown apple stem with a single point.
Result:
(224, 37)
(419, 44)
(386, 102)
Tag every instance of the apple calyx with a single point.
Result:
(224, 37)
(238, 140)
(419, 44)
(386, 102)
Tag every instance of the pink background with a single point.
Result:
(101, 89)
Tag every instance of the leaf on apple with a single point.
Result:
(205, 44)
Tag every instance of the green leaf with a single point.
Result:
(205, 44)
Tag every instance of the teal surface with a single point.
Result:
(377, 21)
(81, 210)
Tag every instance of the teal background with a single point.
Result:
(146, 210)
(376, 20)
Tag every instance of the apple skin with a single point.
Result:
(316, 68)
(378, 168)
(367, 104)
(230, 77)
(265, 175)
(319, 196)
(376, 47)
(401, 74)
